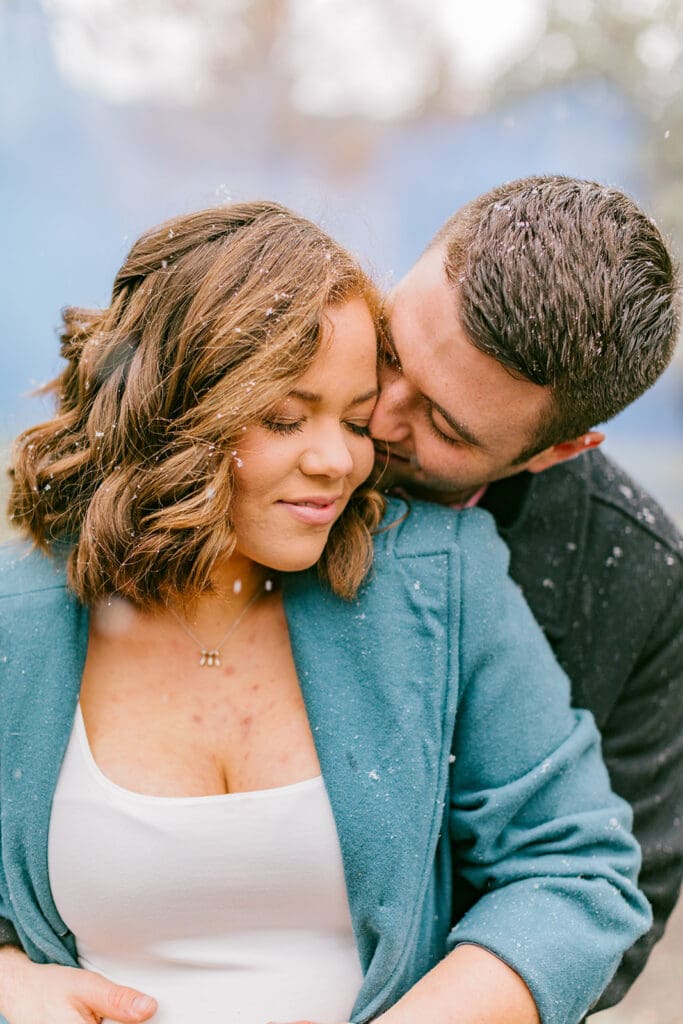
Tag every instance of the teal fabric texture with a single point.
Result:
(448, 749)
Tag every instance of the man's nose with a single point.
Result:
(329, 455)
(390, 418)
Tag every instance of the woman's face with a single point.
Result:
(297, 470)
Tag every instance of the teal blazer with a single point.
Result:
(447, 746)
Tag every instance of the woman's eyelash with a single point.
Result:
(283, 426)
(292, 426)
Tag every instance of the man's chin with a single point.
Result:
(393, 472)
(434, 494)
(399, 474)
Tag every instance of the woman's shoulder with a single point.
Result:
(25, 570)
(412, 526)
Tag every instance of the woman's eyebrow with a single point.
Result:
(316, 399)
(365, 397)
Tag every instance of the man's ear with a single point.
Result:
(562, 452)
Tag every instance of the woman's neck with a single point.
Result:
(237, 582)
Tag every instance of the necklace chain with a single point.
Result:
(211, 657)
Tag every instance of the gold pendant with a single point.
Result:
(210, 659)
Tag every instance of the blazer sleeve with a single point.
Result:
(8, 933)
(535, 826)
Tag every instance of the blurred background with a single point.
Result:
(377, 118)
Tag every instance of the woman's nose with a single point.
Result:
(329, 455)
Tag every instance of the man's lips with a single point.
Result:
(314, 511)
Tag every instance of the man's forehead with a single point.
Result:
(423, 305)
(425, 277)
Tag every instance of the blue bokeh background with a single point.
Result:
(81, 177)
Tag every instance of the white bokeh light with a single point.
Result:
(341, 57)
(127, 52)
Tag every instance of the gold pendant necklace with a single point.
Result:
(211, 657)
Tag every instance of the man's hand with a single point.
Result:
(47, 994)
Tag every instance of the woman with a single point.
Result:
(176, 687)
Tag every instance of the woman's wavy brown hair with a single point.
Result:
(213, 317)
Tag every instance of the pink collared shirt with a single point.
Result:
(474, 500)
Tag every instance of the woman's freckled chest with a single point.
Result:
(192, 729)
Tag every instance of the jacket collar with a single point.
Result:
(382, 714)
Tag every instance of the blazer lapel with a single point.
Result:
(380, 688)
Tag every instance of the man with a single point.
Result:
(540, 310)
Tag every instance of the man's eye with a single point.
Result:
(441, 434)
(283, 426)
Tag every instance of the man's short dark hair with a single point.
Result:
(570, 285)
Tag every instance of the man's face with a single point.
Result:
(452, 417)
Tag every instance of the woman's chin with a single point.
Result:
(293, 564)
(289, 561)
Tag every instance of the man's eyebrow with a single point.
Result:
(459, 428)
(316, 399)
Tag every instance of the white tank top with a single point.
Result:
(228, 909)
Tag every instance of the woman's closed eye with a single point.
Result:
(361, 429)
(283, 426)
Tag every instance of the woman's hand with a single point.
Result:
(47, 994)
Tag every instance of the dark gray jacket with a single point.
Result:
(602, 569)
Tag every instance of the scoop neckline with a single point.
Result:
(132, 794)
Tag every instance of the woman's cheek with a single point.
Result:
(366, 461)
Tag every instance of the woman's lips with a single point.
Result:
(314, 511)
